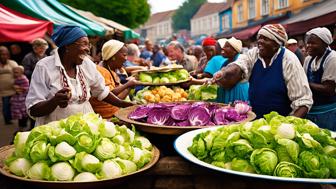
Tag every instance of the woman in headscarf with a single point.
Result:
(276, 77)
(320, 67)
(114, 55)
(62, 84)
(231, 51)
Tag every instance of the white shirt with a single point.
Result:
(329, 66)
(46, 81)
(295, 78)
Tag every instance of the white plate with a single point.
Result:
(182, 143)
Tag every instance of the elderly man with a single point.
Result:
(320, 67)
(29, 61)
(176, 53)
(292, 45)
(277, 79)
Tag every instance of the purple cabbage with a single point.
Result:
(170, 122)
(139, 113)
(232, 115)
(219, 116)
(158, 116)
(199, 115)
(183, 123)
(180, 112)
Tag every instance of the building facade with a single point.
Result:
(158, 27)
(247, 12)
(206, 20)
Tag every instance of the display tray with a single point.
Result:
(159, 69)
(123, 113)
(6, 151)
(184, 141)
(160, 84)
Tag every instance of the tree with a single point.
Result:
(183, 15)
(131, 13)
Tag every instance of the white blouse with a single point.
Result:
(329, 66)
(296, 81)
(46, 81)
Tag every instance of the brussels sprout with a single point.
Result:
(110, 169)
(105, 150)
(264, 161)
(242, 166)
(20, 166)
(143, 77)
(85, 177)
(286, 169)
(39, 171)
(62, 171)
(86, 162)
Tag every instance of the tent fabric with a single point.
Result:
(244, 34)
(15, 26)
(128, 33)
(91, 16)
(55, 12)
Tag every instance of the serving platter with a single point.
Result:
(184, 141)
(160, 84)
(123, 113)
(6, 151)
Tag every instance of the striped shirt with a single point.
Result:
(298, 89)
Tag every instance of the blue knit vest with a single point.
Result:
(268, 90)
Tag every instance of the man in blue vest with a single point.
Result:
(277, 79)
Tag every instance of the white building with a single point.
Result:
(206, 19)
(159, 26)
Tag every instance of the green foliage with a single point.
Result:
(183, 15)
(131, 13)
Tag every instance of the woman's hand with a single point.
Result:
(62, 97)
(132, 82)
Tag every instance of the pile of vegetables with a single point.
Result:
(203, 92)
(79, 148)
(189, 114)
(164, 77)
(274, 145)
(160, 94)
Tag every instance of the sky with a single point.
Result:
(164, 5)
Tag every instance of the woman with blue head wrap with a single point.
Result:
(63, 83)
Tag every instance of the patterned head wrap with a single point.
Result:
(276, 32)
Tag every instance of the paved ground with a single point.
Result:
(6, 131)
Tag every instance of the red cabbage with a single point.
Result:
(158, 116)
(139, 113)
(232, 115)
(183, 123)
(198, 115)
(180, 112)
(170, 122)
(219, 116)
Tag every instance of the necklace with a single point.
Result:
(65, 83)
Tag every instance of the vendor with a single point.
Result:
(62, 84)
(320, 67)
(276, 77)
(114, 55)
(231, 50)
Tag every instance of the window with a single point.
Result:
(166, 28)
(225, 22)
(264, 7)
(240, 13)
(210, 22)
(282, 4)
(251, 9)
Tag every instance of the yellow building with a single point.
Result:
(247, 12)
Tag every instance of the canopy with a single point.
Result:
(321, 14)
(55, 12)
(244, 34)
(108, 24)
(15, 26)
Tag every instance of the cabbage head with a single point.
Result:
(264, 161)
